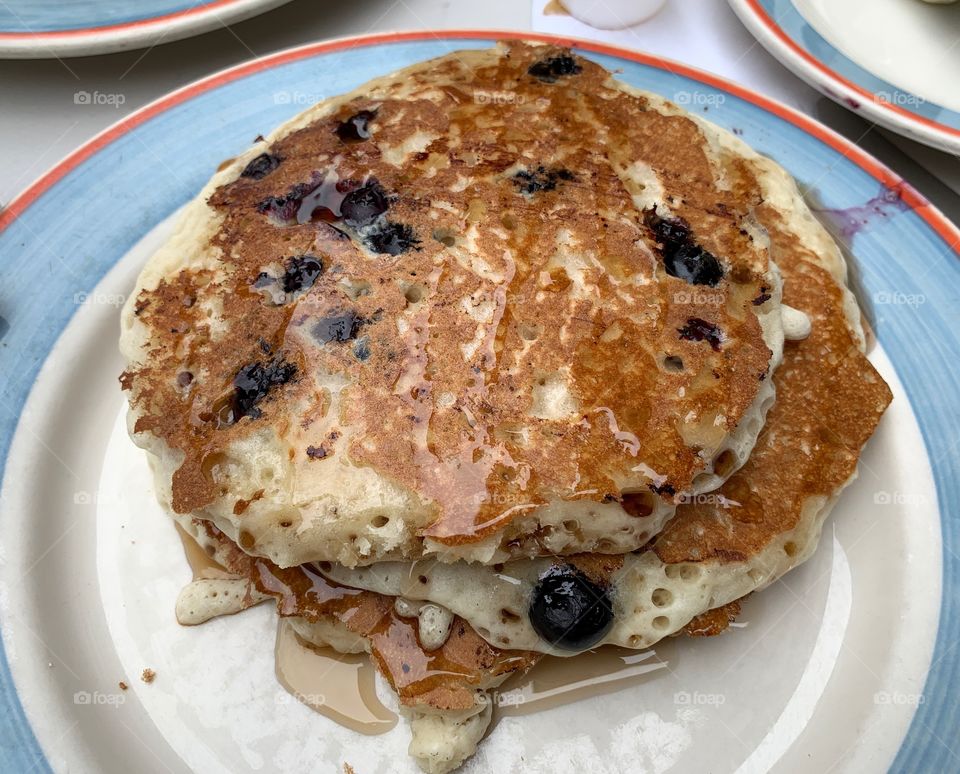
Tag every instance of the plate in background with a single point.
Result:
(46, 29)
(896, 62)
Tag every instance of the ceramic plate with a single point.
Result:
(42, 29)
(893, 61)
(849, 664)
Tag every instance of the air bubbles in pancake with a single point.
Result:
(673, 363)
(638, 504)
(445, 237)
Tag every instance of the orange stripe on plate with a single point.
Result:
(110, 28)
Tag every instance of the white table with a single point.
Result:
(40, 121)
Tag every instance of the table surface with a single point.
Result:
(40, 121)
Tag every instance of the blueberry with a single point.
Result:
(357, 127)
(301, 272)
(338, 327)
(663, 489)
(569, 610)
(540, 179)
(364, 205)
(250, 386)
(261, 166)
(700, 330)
(392, 238)
(695, 265)
(548, 70)
(361, 349)
(683, 258)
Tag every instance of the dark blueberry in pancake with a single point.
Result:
(250, 386)
(391, 238)
(301, 272)
(540, 179)
(548, 70)
(569, 610)
(364, 205)
(693, 264)
(700, 330)
(261, 166)
(357, 127)
(361, 349)
(683, 258)
(338, 327)
(663, 489)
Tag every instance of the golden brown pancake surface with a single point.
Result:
(510, 328)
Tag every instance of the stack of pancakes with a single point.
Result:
(492, 358)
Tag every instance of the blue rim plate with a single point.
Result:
(786, 34)
(106, 195)
(43, 29)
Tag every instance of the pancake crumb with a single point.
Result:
(123, 685)
(148, 675)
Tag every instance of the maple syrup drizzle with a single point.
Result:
(201, 563)
(340, 686)
(556, 682)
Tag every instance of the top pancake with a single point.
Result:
(420, 316)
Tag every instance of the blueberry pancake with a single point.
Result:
(764, 521)
(495, 306)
